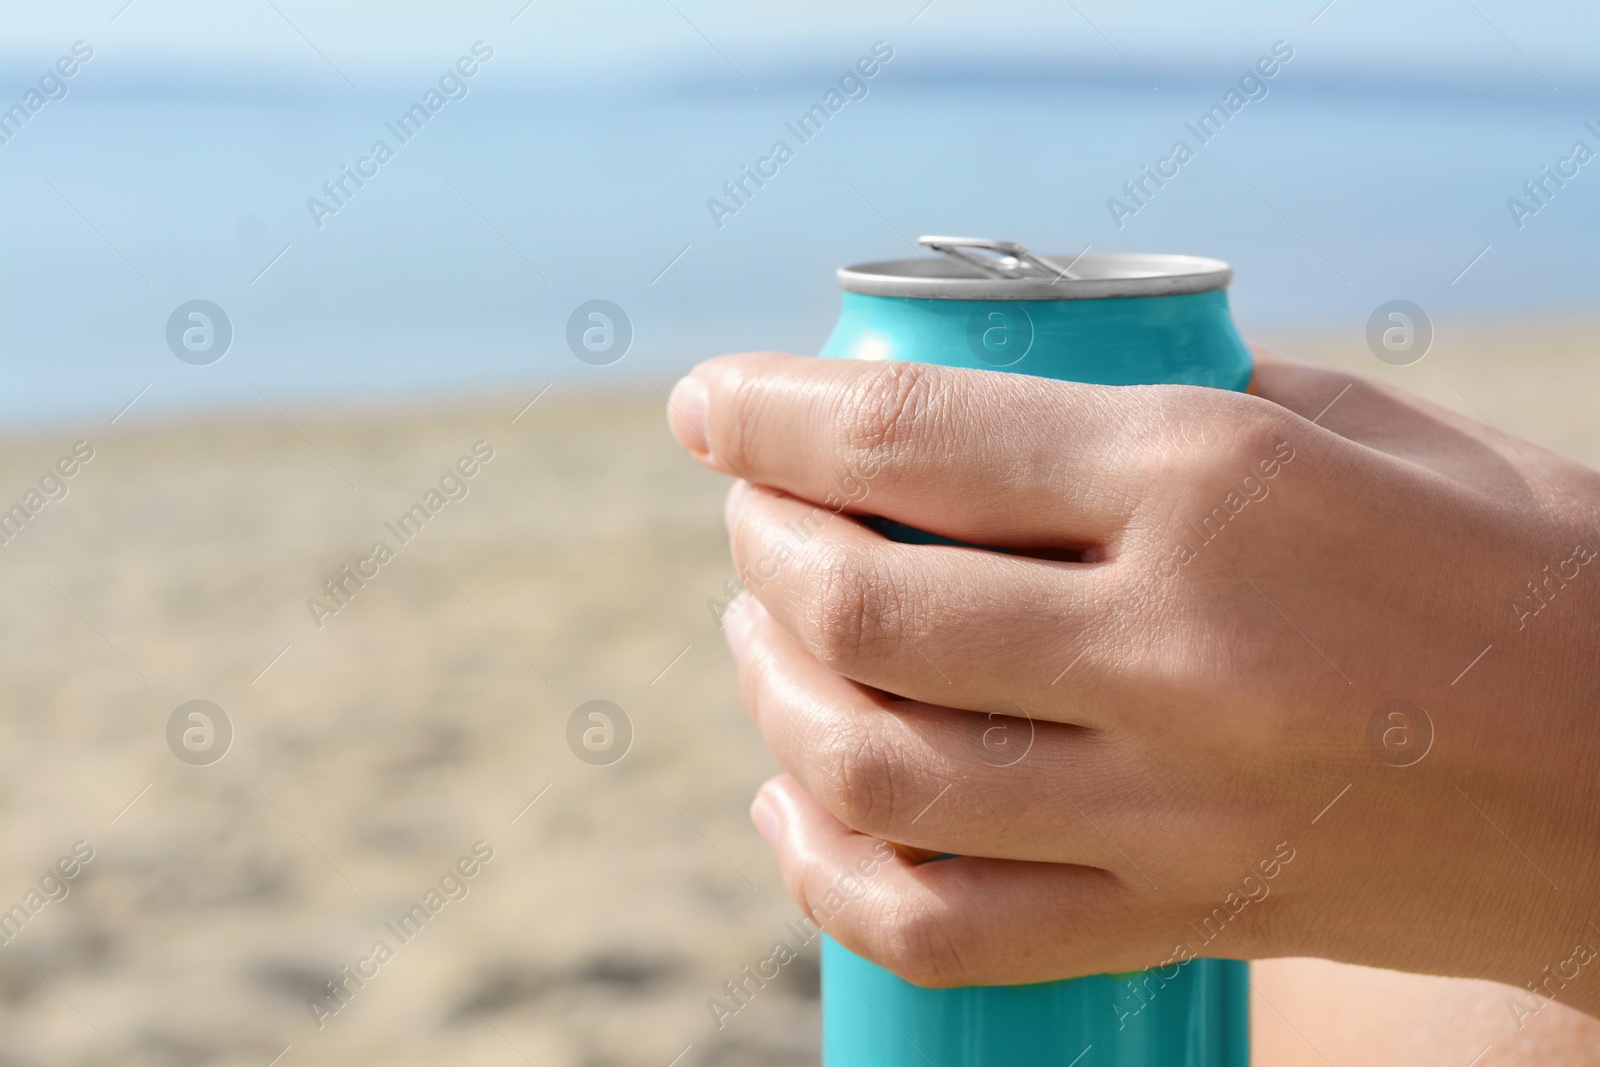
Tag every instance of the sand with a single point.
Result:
(372, 754)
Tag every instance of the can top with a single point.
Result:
(977, 268)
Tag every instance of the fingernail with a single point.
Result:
(765, 815)
(686, 414)
(732, 502)
(736, 622)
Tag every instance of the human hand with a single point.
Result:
(1215, 605)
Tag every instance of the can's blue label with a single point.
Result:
(1193, 1014)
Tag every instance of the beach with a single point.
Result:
(400, 716)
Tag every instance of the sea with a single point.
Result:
(653, 179)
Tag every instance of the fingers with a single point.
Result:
(1372, 413)
(1398, 423)
(998, 459)
(953, 626)
(976, 784)
(960, 921)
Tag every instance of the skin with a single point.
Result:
(1284, 739)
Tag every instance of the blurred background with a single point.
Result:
(362, 344)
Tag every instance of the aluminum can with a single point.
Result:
(1109, 320)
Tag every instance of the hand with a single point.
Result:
(1313, 672)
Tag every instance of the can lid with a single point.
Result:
(976, 268)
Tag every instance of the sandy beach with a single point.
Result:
(417, 726)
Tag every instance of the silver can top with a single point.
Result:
(976, 268)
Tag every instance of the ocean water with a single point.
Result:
(456, 266)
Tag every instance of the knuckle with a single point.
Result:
(1257, 433)
(922, 941)
(847, 604)
(742, 540)
(861, 781)
(1172, 435)
(885, 414)
(1209, 440)
(744, 397)
(744, 402)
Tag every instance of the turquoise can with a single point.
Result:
(1108, 320)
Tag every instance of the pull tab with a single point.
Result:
(1006, 259)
